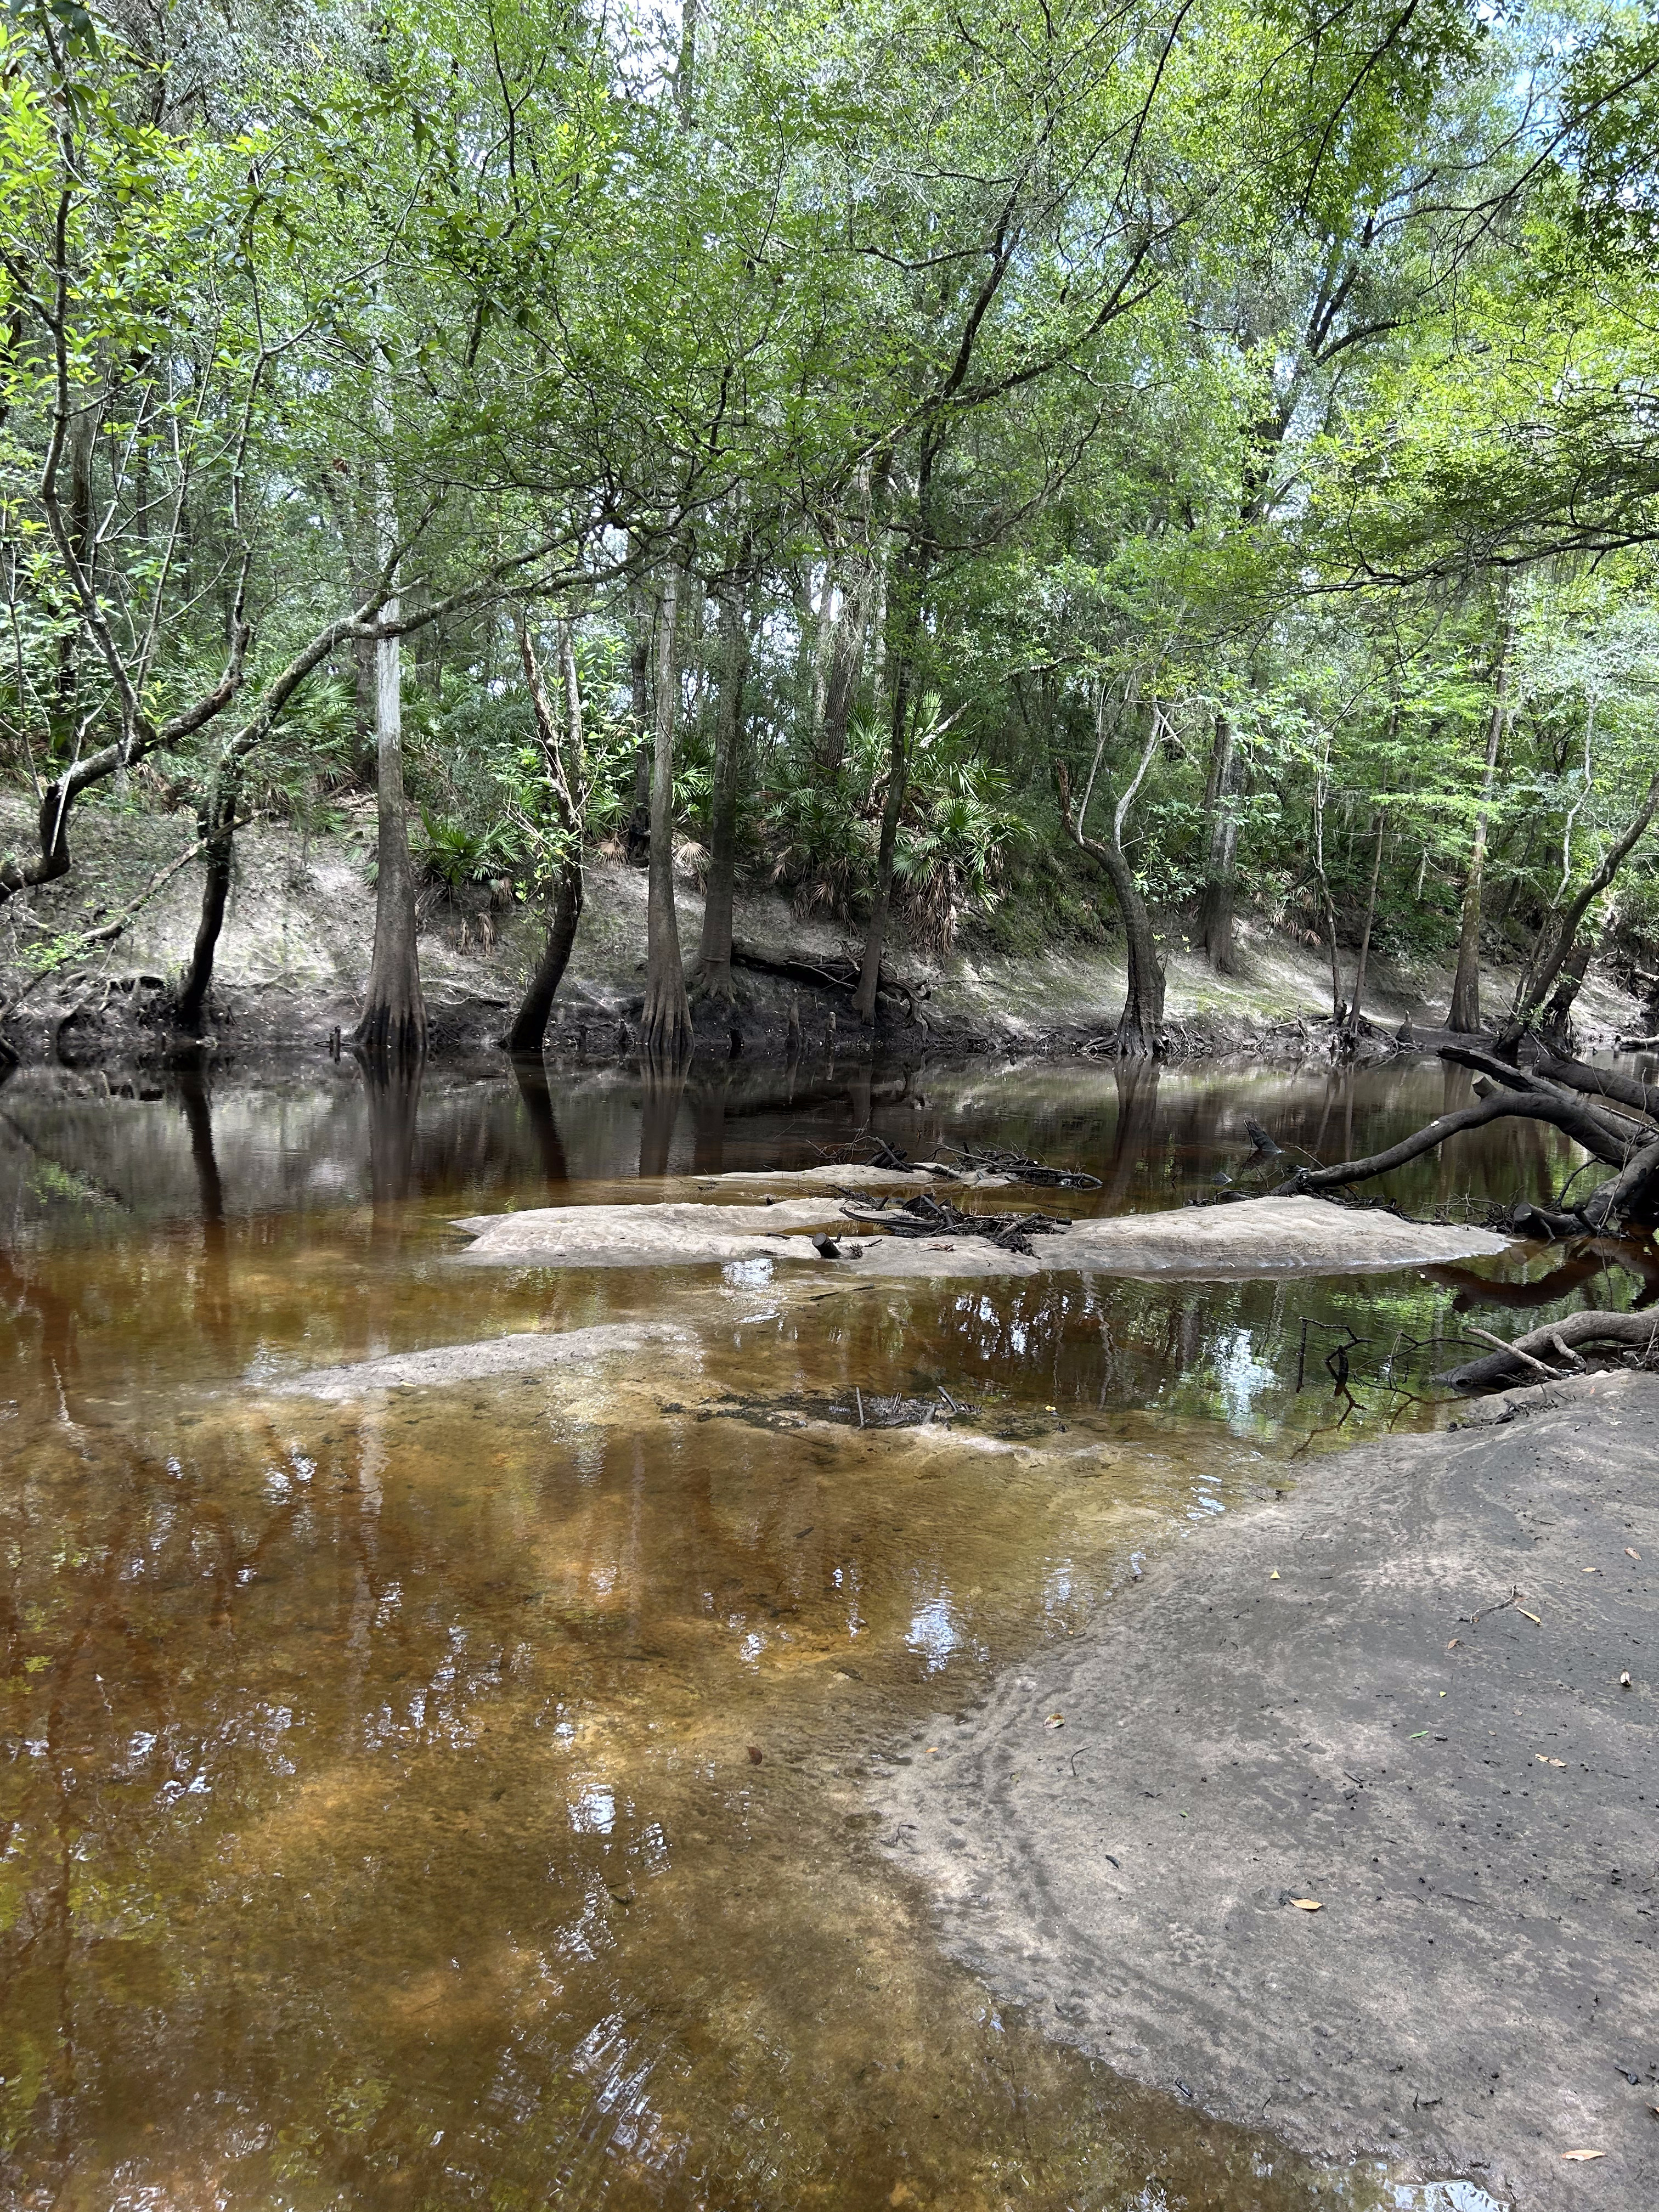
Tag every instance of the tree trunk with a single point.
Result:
(846, 668)
(638, 837)
(666, 1027)
(1580, 1124)
(1139, 1033)
(1465, 1012)
(715, 953)
(217, 825)
(529, 1029)
(850, 629)
(1215, 909)
(1356, 1011)
(1556, 1026)
(392, 1031)
(898, 765)
(906, 608)
(1543, 968)
(1635, 1330)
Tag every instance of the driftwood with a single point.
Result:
(1600, 1083)
(925, 1216)
(1636, 1045)
(1019, 1167)
(1580, 1122)
(833, 972)
(1562, 1337)
(1607, 1132)
(1620, 1128)
(1633, 1195)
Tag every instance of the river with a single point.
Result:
(455, 1797)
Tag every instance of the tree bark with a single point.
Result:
(1600, 1083)
(1555, 1026)
(1356, 1011)
(1621, 1130)
(391, 1032)
(1215, 908)
(217, 825)
(1465, 1010)
(638, 837)
(665, 1026)
(850, 629)
(529, 1029)
(715, 979)
(907, 614)
(881, 898)
(1542, 970)
(1139, 1033)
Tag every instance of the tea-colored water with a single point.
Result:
(452, 1797)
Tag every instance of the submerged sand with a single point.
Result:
(1396, 1693)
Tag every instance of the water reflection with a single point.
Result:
(76, 1160)
(393, 1100)
(534, 1089)
(453, 1797)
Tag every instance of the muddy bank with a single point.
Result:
(1395, 1693)
(301, 925)
(1270, 1236)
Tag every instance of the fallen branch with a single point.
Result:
(1514, 1351)
(71, 948)
(926, 1215)
(1018, 1166)
(1584, 1127)
(1600, 1082)
(1529, 1084)
(1561, 1337)
(1634, 1194)
(830, 973)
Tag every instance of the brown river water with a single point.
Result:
(455, 1797)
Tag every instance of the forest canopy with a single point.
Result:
(1031, 470)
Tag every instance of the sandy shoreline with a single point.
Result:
(1340, 1698)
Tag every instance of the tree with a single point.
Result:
(563, 771)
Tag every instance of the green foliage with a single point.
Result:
(458, 853)
(959, 832)
(1248, 368)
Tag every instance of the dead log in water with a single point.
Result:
(1555, 1346)
(1581, 1123)
(1574, 1079)
(1600, 1083)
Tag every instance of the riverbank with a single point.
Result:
(294, 955)
(1395, 1694)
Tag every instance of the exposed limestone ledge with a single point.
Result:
(1256, 1236)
